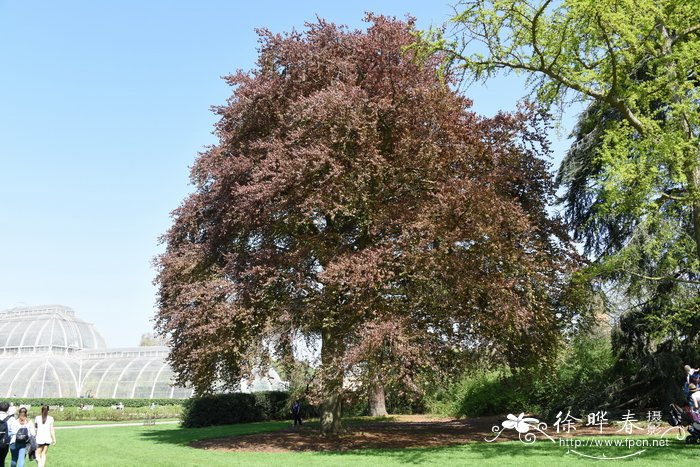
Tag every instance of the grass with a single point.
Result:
(167, 445)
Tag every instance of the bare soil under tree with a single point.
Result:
(404, 431)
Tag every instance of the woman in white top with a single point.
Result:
(20, 430)
(45, 434)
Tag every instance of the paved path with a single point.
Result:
(111, 425)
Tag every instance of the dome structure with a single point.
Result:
(47, 351)
(52, 328)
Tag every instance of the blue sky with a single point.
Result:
(103, 109)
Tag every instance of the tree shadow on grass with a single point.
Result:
(185, 436)
(513, 452)
(447, 455)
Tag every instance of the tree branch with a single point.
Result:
(661, 278)
(611, 53)
(691, 30)
(675, 198)
(533, 32)
(624, 109)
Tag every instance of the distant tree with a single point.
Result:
(149, 339)
(354, 200)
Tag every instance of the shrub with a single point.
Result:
(579, 382)
(583, 380)
(405, 403)
(225, 409)
(110, 414)
(482, 393)
(76, 402)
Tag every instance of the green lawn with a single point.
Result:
(166, 445)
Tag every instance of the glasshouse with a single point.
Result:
(49, 352)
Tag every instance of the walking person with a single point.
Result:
(296, 411)
(21, 430)
(45, 434)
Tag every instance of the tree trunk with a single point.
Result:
(377, 399)
(696, 227)
(332, 371)
(695, 184)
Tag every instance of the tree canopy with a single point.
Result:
(353, 199)
(631, 179)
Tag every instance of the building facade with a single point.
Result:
(48, 351)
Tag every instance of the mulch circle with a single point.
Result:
(405, 431)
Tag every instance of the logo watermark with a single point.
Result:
(530, 429)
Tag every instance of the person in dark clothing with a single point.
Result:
(296, 411)
(4, 446)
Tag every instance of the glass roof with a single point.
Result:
(52, 327)
(49, 352)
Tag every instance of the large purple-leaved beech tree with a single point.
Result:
(354, 200)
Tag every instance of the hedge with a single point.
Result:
(225, 409)
(75, 401)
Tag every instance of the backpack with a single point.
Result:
(22, 435)
(4, 432)
(675, 415)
